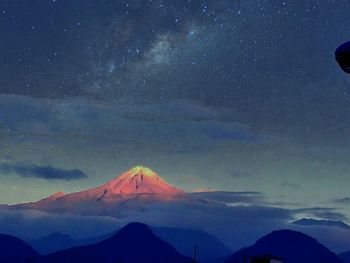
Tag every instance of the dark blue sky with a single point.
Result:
(233, 95)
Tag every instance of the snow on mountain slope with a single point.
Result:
(139, 183)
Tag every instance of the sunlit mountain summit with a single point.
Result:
(138, 180)
(137, 184)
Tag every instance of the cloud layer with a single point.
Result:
(240, 218)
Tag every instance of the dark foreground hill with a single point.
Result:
(345, 257)
(59, 241)
(292, 246)
(53, 243)
(134, 243)
(13, 249)
(183, 240)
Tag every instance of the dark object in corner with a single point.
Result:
(342, 55)
(266, 259)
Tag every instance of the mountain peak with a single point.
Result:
(138, 183)
(139, 180)
(139, 169)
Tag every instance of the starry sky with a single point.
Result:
(219, 95)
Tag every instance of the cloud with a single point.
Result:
(31, 224)
(343, 200)
(321, 222)
(230, 222)
(43, 172)
(237, 225)
(183, 127)
(231, 197)
(329, 213)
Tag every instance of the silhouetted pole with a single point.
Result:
(195, 254)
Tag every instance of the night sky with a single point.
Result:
(220, 95)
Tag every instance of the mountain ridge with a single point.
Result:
(135, 242)
(13, 249)
(292, 246)
(137, 183)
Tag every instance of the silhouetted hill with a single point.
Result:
(134, 243)
(94, 240)
(13, 249)
(294, 247)
(184, 240)
(58, 241)
(345, 257)
(52, 243)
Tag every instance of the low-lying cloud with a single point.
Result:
(240, 224)
(251, 198)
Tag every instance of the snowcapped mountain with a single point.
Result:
(139, 183)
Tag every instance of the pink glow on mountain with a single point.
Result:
(140, 180)
(139, 183)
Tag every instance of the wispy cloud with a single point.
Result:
(329, 213)
(343, 200)
(45, 172)
(251, 198)
(178, 127)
